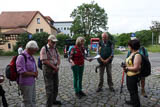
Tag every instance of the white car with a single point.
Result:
(121, 48)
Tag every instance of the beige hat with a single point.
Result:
(53, 38)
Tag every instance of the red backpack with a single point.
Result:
(11, 70)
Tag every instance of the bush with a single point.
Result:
(40, 38)
(9, 53)
(61, 40)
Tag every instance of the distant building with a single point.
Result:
(14, 23)
(64, 27)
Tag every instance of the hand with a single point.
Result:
(56, 69)
(106, 61)
(90, 60)
(72, 63)
(36, 74)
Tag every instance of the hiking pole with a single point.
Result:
(122, 82)
(123, 65)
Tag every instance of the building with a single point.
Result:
(64, 27)
(14, 23)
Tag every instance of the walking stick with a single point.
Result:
(122, 82)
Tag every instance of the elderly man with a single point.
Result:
(106, 56)
(51, 61)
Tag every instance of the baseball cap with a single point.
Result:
(53, 38)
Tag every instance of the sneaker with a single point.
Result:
(78, 95)
(129, 102)
(111, 89)
(99, 90)
(57, 103)
(82, 93)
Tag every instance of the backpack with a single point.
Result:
(11, 70)
(39, 60)
(145, 66)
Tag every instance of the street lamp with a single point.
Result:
(152, 29)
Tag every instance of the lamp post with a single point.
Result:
(152, 29)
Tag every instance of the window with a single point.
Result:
(64, 28)
(38, 20)
(37, 30)
(61, 28)
(58, 29)
(41, 30)
(9, 46)
(68, 28)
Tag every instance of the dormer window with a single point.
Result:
(38, 20)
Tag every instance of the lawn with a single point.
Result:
(154, 48)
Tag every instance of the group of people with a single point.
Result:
(50, 57)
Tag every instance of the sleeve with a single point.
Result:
(112, 47)
(71, 54)
(128, 54)
(21, 64)
(43, 54)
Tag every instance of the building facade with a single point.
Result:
(64, 27)
(12, 24)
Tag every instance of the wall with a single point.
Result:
(43, 25)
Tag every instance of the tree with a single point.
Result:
(89, 19)
(145, 37)
(123, 39)
(40, 38)
(61, 40)
(155, 29)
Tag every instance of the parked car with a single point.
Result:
(121, 48)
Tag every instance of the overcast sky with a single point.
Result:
(124, 15)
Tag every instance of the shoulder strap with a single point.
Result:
(133, 57)
(46, 48)
(25, 58)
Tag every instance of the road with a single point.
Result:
(90, 83)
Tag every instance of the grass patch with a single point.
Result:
(154, 48)
(117, 52)
(9, 53)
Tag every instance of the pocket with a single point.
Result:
(73, 67)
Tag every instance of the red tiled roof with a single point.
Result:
(19, 19)
(16, 19)
(49, 18)
(15, 31)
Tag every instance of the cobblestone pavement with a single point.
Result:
(90, 82)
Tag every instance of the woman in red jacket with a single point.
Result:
(77, 60)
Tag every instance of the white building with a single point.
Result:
(64, 27)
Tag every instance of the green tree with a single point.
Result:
(155, 28)
(145, 37)
(123, 39)
(89, 19)
(40, 38)
(61, 40)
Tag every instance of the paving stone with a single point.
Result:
(90, 84)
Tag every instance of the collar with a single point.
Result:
(26, 53)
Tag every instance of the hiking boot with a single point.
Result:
(57, 103)
(143, 93)
(82, 93)
(129, 102)
(99, 90)
(111, 89)
(78, 95)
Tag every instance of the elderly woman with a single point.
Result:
(77, 60)
(133, 65)
(27, 70)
